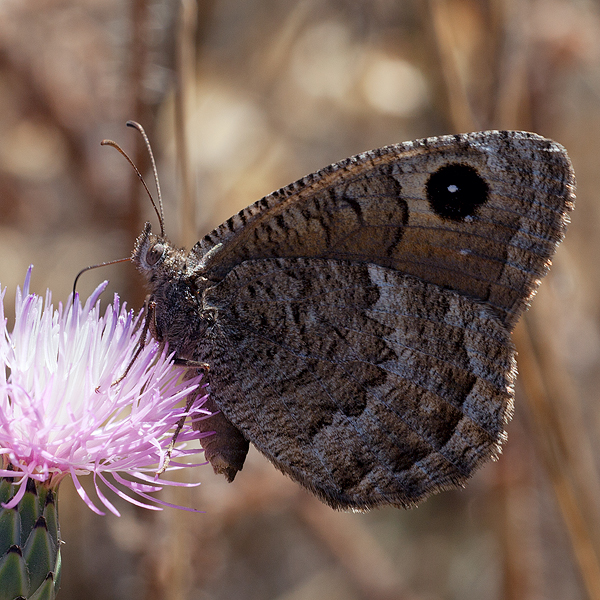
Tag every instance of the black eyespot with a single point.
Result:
(155, 253)
(455, 191)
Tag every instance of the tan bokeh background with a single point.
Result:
(240, 98)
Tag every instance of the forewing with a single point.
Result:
(366, 385)
(373, 208)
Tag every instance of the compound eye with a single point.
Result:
(155, 253)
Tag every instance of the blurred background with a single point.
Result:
(239, 99)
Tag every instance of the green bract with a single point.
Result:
(29, 543)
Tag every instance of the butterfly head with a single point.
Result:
(156, 258)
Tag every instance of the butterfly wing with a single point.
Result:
(361, 316)
(394, 207)
(365, 385)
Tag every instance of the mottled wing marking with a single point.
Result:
(366, 385)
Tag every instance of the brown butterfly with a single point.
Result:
(356, 323)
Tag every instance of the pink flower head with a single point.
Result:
(60, 412)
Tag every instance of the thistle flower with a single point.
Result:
(61, 413)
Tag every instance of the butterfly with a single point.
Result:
(356, 324)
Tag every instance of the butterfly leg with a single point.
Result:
(190, 401)
(186, 363)
(149, 306)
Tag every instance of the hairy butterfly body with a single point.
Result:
(356, 323)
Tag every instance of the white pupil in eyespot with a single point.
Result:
(453, 189)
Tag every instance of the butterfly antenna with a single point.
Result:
(158, 214)
(137, 126)
(104, 264)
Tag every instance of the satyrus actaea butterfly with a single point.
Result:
(356, 324)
